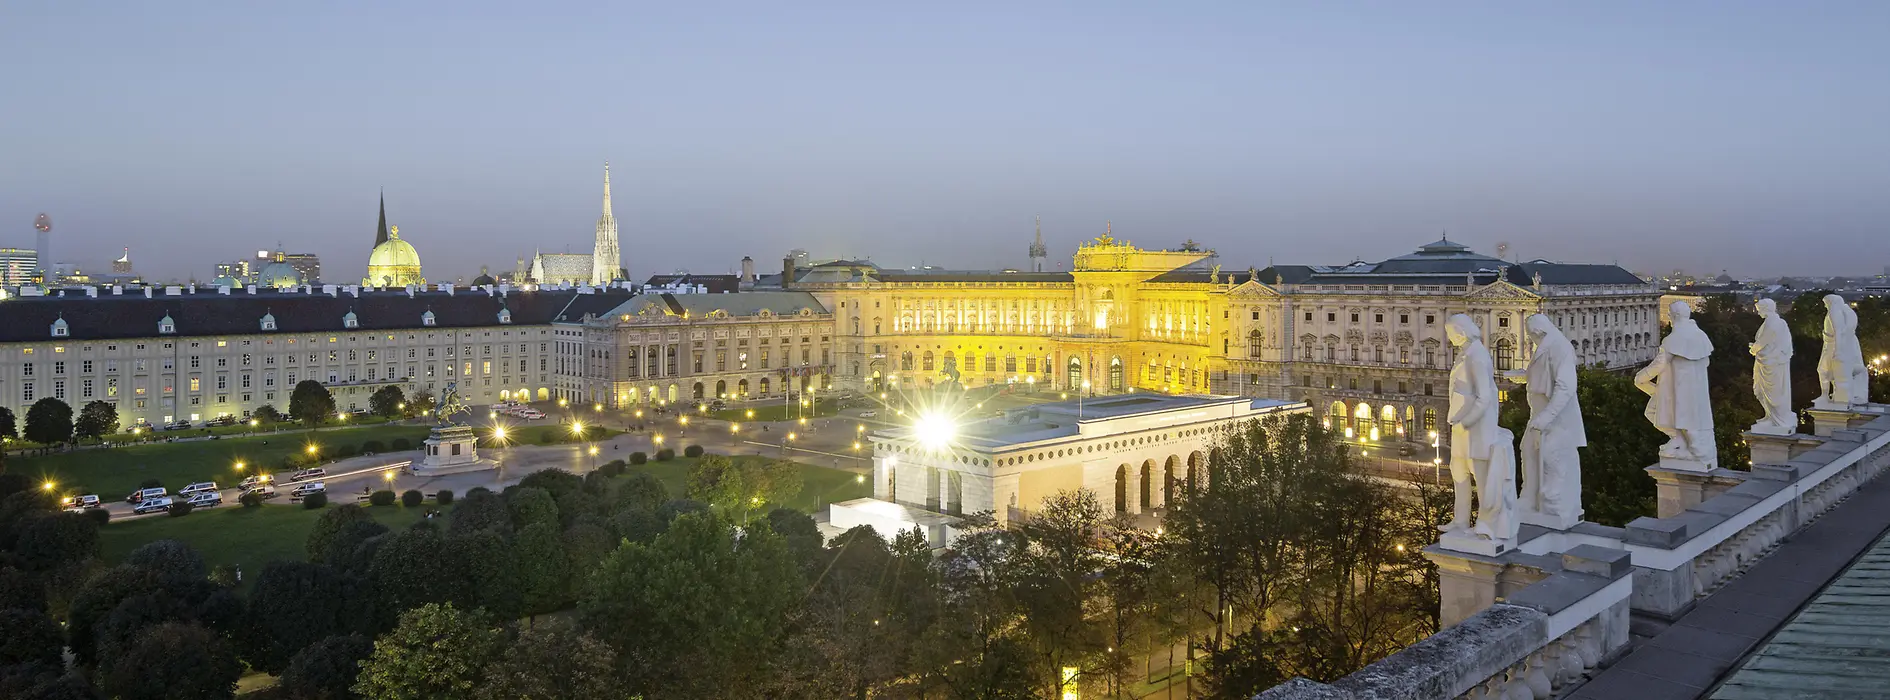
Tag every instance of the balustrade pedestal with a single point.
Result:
(1469, 583)
(1680, 489)
(1825, 421)
(1779, 449)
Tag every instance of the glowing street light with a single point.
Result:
(683, 420)
(47, 486)
(639, 413)
(252, 423)
(498, 433)
(935, 430)
(577, 427)
(593, 450)
(492, 415)
(751, 414)
(239, 466)
(312, 449)
(734, 427)
(563, 403)
(388, 476)
(597, 408)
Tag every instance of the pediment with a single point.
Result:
(1253, 289)
(1502, 290)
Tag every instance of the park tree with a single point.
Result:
(554, 659)
(174, 660)
(171, 560)
(743, 485)
(538, 556)
(120, 630)
(1055, 582)
(49, 541)
(973, 649)
(640, 490)
(266, 414)
(861, 619)
(310, 403)
(489, 564)
(481, 509)
(32, 637)
(95, 601)
(49, 422)
(326, 670)
(412, 568)
(800, 532)
(585, 545)
(437, 651)
(421, 403)
(96, 420)
(698, 610)
(21, 589)
(529, 505)
(388, 401)
(9, 426)
(295, 604)
(320, 544)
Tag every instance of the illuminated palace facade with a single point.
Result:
(1363, 343)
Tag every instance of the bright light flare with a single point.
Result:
(935, 430)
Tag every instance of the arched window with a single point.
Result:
(1115, 374)
(1505, 355)
(1075, 377)
(927, 361)
(1430, 420)
(1253, 343)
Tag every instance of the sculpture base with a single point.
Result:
(1779, 449)
(1469, 582)
(1679, 489)
(1768, 429)
(1468, 542)
(1682, 465)
(451, 449)
(1825, 421)
(1550, 521)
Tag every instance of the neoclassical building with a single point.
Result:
(193, 354)
(1362, 342)
(685, 347)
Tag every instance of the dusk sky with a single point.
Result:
(1751, 136)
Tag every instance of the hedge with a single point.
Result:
(250, 500)
(412, 498)
(692, 451)
(402, 444)
(444, 497)
(382, 497)
(638, 458)
(315, 501)
(665, 454)
(99, 516)
(180, 509)
(374, 446)
(612, 468)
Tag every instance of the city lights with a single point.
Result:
(935, 430)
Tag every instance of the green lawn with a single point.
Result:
(232, 534)
(820, 486)
(112, 473)
(770, 412)
(538, 434)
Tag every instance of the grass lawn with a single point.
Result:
(232, 534)
(819, 485)
(538, 434)
(112, 473)
(769, 412)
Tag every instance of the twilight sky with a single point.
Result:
(1752, 136)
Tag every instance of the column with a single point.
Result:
(1132, 490)
(1157, 493)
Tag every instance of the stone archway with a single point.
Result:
(1173, 472)
(1197, 471)
(698, 391)
(1122, 489)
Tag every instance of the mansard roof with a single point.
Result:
(210, 313)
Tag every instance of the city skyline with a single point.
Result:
(1295, 135)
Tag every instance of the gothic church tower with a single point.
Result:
(607, 259)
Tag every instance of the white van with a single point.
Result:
(199, 487)
(264, 490)
(254, 480)
(304, 489)
(205, 499)
(141, 495)
(306, 474)
(151, 505)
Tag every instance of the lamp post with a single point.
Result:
(1437, 459)
(1079, 399)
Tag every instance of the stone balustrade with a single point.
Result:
(1529, 623)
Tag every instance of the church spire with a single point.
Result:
(607, 188)
(606, 259)
(1038, 253)
(380, 235)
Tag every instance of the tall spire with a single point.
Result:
(1038, 252)
(380, 234)
(606, 258)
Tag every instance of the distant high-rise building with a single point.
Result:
(17, 266)
(308, 265)
(122, 266)
(43, 224)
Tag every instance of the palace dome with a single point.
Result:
(279, 274)
(225, 281)
(394, 263)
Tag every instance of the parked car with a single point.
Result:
(306, 488)
(80, 503)
(205, 499)
(151, 505)
(868, 414)
(142, 495)
(220, 421)
(254, 480)
(199, 487)
(306, 474)
(179, 425)
(266, 491)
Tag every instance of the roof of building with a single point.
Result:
(717, 284)
(1448, 262)
(972, 276)
(207, 312)
(702, 305)
(1049, 421)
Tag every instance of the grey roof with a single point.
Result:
(1048, 421)
(717, 284)
(740, 304)
(973, 276)
(1447, 262)
(30, 319)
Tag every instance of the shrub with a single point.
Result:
(315, 501)
(381, 498)
(180, 509)
(402, 444)
(444, 497)
(99, 516)
(373, 446)
(692, 451)
(544, 438)
(638, 458)
(612, 468)
(665, 454)
(250, 500)
(412, 498)
(344, 451)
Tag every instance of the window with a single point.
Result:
(223, 382)
(1430, 358)
(1427, 392)
(1309, 317)
(1401, 387)
(194, 384)
(85, 367)
(1304, 380)
(1505, 355)
(59, 367)
(1378, 386)
(26, 392)
(1378, 318)
(1502, 322)
(1429, 319)
(1253, 343)
(1330, 317)
(1355, 317)
(1256, 315)
(1355, 353)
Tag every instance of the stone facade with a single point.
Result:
(684, 347)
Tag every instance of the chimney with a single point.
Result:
(117, 290)
(147, 292)
(251, 289)
(225, 291)
(91, 291)
(748, 269)
(410, 291)
(787, 271)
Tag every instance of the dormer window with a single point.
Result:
(426, 319)
(166, 326)
(349, 321)
(59, 328)
(269, 322)
(505, 316)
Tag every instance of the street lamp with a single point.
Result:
(239, 465)
(577, 427)
(47, 486)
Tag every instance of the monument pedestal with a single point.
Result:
(1680, 485)
(1550, 521)
(1828, 418)
(451, 449)
(1469, 583)
(1779, 449)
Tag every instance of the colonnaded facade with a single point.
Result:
(1362, 342)
(193, 354)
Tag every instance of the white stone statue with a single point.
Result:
(1679, 405)
(1772, 372)
(1479, 448)
(1843, 380)
(1552, 462)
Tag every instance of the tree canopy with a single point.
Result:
(310, 403)
(49, 422)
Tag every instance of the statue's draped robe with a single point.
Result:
(1472, 401)
(1771, 372)
(1552, 480)
(1679, 399)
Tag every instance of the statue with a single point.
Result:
(1772, 372)
(950, 370)
(1676, 384)
(450, 404)
(1214, 276)
(1479, 448)
(1552, 462)
(1843, 380)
